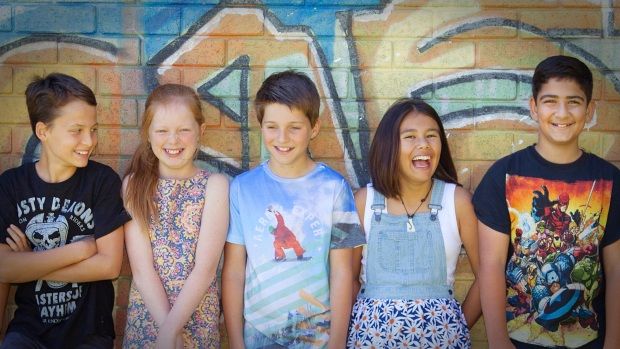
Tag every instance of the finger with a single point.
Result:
(18, 237)
(12, 245)
(19, 234)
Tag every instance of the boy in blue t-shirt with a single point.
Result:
(287, 278)
(549, 226)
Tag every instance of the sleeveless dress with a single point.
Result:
(174, 237)
(406, 296)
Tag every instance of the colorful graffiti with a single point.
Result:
(472, 61)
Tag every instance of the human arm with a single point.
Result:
(103, 265)
(611, 266)
(360, 205)
(213, 228)
(493, 255)
(24, 266)
(468, 230)
(233, 283)
(340, 290)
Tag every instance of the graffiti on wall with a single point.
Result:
(473, 64)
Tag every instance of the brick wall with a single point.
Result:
(472, 60)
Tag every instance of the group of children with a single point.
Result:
(308, 264)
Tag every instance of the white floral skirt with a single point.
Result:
(419, 323)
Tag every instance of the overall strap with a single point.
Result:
(378, 205)
(436, 197)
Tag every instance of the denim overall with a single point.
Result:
(406, 265)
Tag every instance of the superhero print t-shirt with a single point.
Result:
(559, 218)
(288, 227)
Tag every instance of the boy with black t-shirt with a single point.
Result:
(61, 226)
(549, 227)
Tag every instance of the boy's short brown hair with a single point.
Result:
(291, 88)
(45, 95)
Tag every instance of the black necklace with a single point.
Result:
(410, 226)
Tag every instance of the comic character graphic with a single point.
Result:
(45, 234)
(554, 271)
(284, 238)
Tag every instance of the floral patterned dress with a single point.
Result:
(174, 237)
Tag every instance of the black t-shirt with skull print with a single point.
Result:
(61, 314)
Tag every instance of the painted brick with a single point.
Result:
(41, 51)
(5, 18)
(611, 147)
(19, 138)
(523, 140)
(86, 75)
(518, 3)
(400, 23)
(129, 81)
(514, 53)
(502, 115)
(139, 20)
(239, 23)
(454, 114)
(7, 162)
(480, 146)
(606, 51)
(489, 89)
(375, 109)
(116, 111)
(228, 142)
(464, 170)
(181, 1)
(205, 51)
(5, 139)
(488, 23)
(580, 3)
(607, 116)
(326, 145)
(55, 19)
(373, 53)
(23, 75)
(6, 79)
(591, 142)
(108, 51)
(392, 83)
(123, 285)
(573, 23)
(447, 54)
(13, 110)
(616, 13)
(287, 53)
(114, 141)
(609, 91)
(479, 168)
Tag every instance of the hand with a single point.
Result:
(167, 340)
(17, 240)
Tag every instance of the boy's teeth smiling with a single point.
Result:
(82, 152)
(283, 148)
(561, 125)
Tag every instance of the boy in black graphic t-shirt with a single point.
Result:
(549, 227)
(61, 226)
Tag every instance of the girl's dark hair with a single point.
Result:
(291, 88)
(385, 148)
(143, 171)
(45, 95)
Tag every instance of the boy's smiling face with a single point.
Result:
(286, 134)
(69, 140)
(561, 110)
